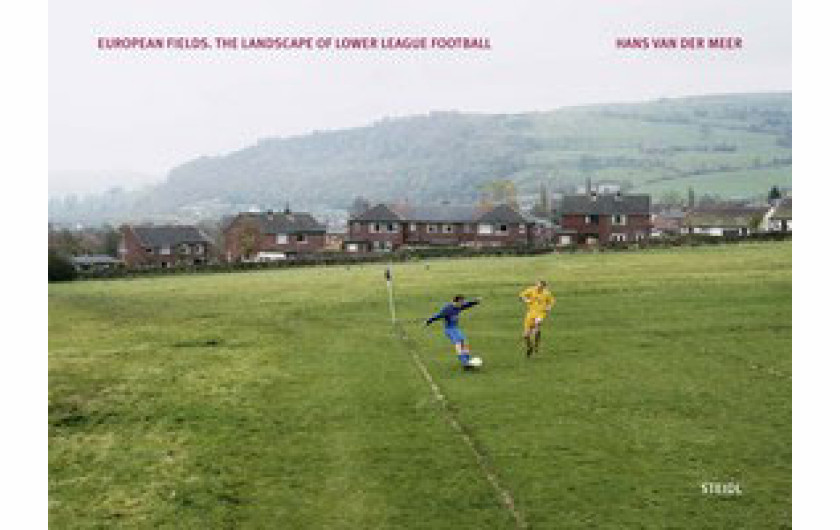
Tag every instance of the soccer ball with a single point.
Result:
(475, 362)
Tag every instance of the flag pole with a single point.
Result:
(390, 295)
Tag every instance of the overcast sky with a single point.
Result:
(140, 113)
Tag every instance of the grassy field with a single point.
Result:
(285, 399)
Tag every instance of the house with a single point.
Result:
(163, 245)
(780, 217)
(335, 240)
(600, 218)
(270, 236)
(387, 227)
(565, 238)
(544, 232)
(727, 220)
(96, 262)
(667, 223)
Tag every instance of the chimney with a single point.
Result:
(286, 210)
(593, 195)
(270, 215)
(618, 195)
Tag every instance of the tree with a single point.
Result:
(111, 241)
(359, 206)
(249, 238)
(774, 194)
(691, 198)
(60, 269)
(500, 191)
(671, 198)
(543, 206)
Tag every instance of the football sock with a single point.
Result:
(464, 358)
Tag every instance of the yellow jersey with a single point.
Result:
(537, 301)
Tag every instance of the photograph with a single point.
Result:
(419, 265)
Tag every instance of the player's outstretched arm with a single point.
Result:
(471, 303)
(432, 318)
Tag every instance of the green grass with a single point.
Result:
(284, 399)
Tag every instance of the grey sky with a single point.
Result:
(146, 111)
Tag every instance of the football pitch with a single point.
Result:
(286, 399)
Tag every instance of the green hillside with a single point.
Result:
(730, 145)
(284, 399)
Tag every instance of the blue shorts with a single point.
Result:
(455, 335)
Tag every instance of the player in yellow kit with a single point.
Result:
(539, 301)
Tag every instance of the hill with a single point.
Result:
(729, 145)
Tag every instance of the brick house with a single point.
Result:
(163, 246)
(599, 218)
(268, 236)
(667, 222)
(387, 227)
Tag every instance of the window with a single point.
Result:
(618, 237)
(592, 219)
(413, 227)
(503, 229)
(467, 228)
(300, 238)
(392, 228)
(522, 229)
(199, 249)
(485, 229)
(374, 227)
(448, 229)
(619, 219)
(282, 239)
(165, 251)
(432, 229)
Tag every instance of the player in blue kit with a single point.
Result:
(449, 314)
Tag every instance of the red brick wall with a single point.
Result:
(233, 250)
(361, 231)
(635, 223)
(136, 255)
(312, 243)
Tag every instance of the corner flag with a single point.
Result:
(390, 295)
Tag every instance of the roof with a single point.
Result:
(605, 204)
(661, 222)
(285, 223)
(784, 210)
(671, 214)
(98, 259)
(169, 235)
(728, 217)
(502, 213)
(438, 214)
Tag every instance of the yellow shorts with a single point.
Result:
(532, 319)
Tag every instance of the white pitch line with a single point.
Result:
(492, 477)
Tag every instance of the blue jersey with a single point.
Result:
(449, 314)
